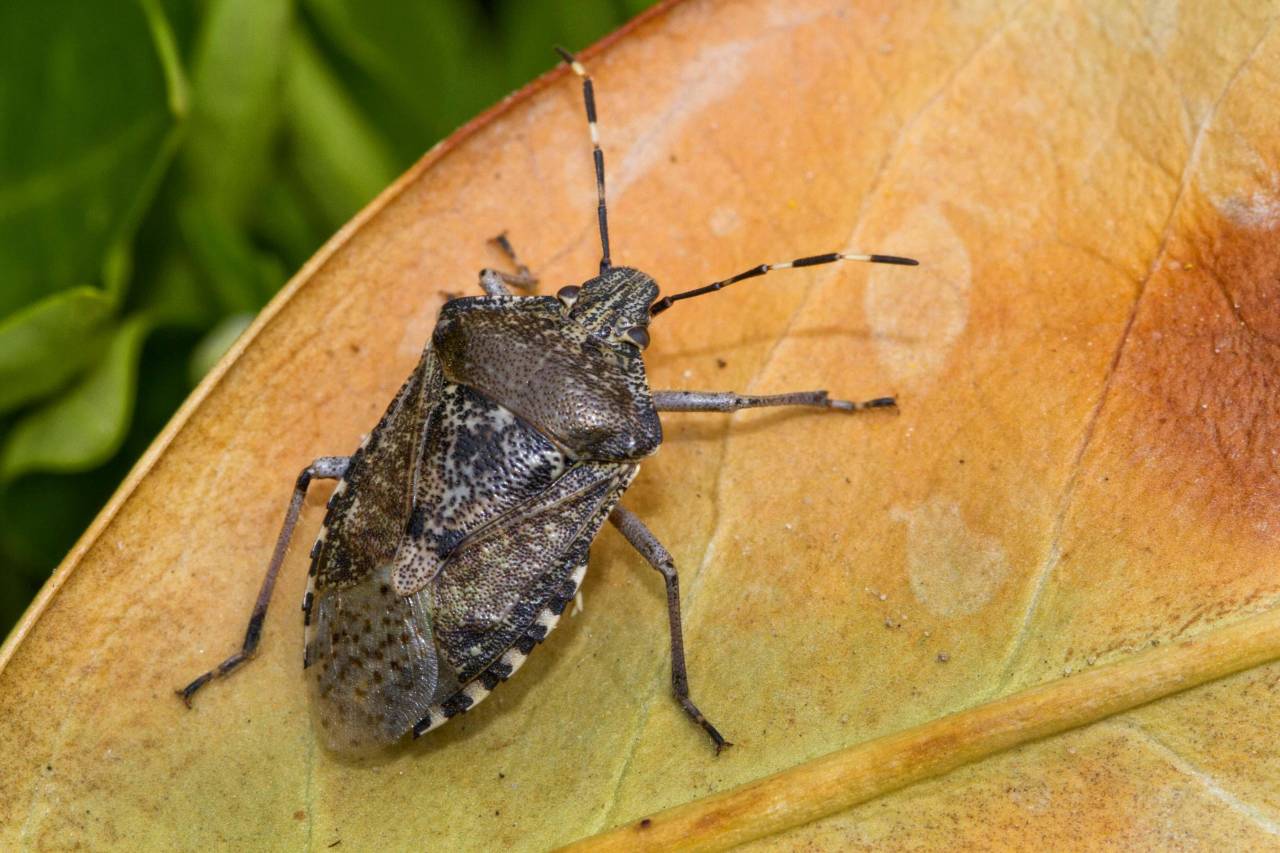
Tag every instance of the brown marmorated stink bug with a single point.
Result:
(458, 531)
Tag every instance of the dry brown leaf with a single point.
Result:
(1085, 465)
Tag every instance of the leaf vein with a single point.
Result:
(1041, 580)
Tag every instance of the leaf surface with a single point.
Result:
(86, 425)
(235, 93)
(1083, 469)
(45, 344)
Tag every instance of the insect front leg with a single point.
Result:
(494, 282)
(651, 549)
(729, 401)
(324, 468)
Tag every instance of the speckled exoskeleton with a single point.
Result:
(458, 531)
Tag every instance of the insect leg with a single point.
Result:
(324, 468)
(729, 401)
(523, 277)
(651, 549)
(494, 282)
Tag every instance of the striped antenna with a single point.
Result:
(666, 302)
(589, 98)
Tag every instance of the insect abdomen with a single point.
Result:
(505, 666)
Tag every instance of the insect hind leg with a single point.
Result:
(498, 283)
(324, 468)
(633, 529)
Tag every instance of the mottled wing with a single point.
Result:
(374, 668)
(492, 590)
(370, 654)
(478, 462)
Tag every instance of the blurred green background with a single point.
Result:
(164, 167)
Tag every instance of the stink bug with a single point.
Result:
(458, 531)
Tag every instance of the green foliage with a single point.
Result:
(44, 345)
(84, 426)
(87, 121)
(164, 166)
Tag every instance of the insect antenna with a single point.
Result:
(589, 98)
(813, 260)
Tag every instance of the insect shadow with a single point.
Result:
(459, 530)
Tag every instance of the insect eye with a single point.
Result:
(638, 335)
(568, 294)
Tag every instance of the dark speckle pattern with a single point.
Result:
(492, 589)
(461, 527)
(587, 393)
(483, 462)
